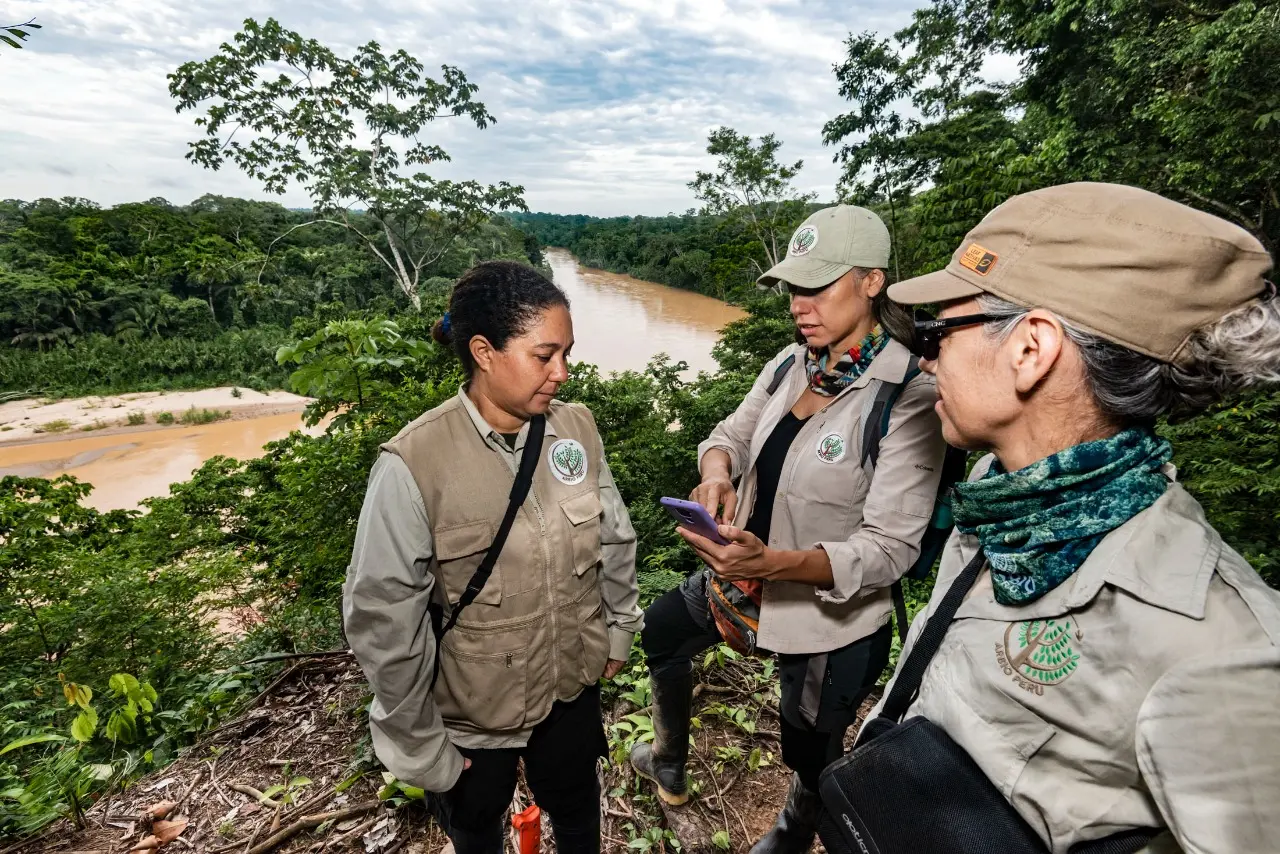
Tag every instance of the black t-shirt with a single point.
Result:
(769, 471)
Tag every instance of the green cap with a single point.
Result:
(830, 243)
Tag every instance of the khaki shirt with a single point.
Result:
(388, 587)
(870, 526)
(1142, 692)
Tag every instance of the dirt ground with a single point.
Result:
(310, 723)
(28, 421)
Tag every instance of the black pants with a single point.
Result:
(820, 693)
(560, 768)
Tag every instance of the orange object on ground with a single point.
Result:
(529, 825)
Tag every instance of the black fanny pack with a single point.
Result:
(908, 788)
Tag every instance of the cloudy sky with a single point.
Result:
(602, 107)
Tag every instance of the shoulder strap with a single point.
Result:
(519, 492)
(878, 417)
(780, 373)
(907, 683)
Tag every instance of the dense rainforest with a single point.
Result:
(112, 664)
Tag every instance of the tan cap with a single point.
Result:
(1128, 265)
(830, 243)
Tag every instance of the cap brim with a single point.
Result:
(942, 286)
(803, 272)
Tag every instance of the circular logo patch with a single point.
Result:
(567, 460)
(831, 448)
(1039, 653)
(804, 240)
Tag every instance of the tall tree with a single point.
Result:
(750, 185)
(286, 109)
(1176, 97)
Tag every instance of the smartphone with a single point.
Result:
(692, 515)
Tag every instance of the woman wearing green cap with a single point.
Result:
(1107, 662)
(818, 531)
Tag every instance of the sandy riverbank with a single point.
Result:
(40, 420)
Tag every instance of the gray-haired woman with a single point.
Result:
(1115, 666)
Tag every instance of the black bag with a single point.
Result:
(908, 788)
(519, 492)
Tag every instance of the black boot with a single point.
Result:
(471, 842)
(663, 761)
(797, 823)
(582, 837)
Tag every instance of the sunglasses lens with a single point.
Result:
(930, 345)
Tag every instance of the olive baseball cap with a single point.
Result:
(1126, 264)
(828, 244)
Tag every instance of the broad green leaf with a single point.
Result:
(83, 727)
(101, 771)
(272, 791)
(299, 782)
(721, 840)
(347, 783)
(31, 739)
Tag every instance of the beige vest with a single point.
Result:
(537, 632)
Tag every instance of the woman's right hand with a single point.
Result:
(714, 492)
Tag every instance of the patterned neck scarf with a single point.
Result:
(830, 381)
(1038, 524)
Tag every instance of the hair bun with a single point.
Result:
(442, 334)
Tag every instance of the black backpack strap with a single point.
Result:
(877, 423)
(900, 609)
(907, 683)
(873, 432)
(780, 373)
(519, 492)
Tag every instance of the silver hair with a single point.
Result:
(1237, 352)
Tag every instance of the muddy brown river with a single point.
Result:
(619, 324)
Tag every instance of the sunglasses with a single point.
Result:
(930, 330)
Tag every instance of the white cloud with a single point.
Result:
(602, 108)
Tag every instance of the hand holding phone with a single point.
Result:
(692, 515)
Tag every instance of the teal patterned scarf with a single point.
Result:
(1038, 524)
(830, 381)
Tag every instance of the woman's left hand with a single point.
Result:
(613, 668)
(745, 557)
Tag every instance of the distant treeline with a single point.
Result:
(708, 254)
(155, 295)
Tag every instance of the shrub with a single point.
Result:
(136, 419)
(195, 416)
(164, 418)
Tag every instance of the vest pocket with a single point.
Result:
(459, 549)
(583, 512)
(483, 676)
(594, 633)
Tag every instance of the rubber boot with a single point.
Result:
(664, 760)
(470, 842)
(578, 838)
(797, 824)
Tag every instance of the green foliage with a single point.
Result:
(136, 419)
(15, 35)
(1229, 459)
(750, 188)
(164, 418)
(343, 129)
(98, 364)
(195, 417)
(349, 361)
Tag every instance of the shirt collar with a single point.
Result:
(491, 436)
(890, 365)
